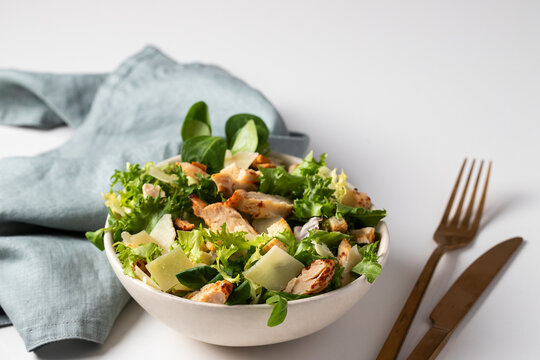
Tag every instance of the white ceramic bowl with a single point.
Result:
(245, 325)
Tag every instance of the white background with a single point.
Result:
(397, 92)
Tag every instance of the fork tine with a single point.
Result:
(468, 214)
(455, 220)
(444, 219)
(478, 216)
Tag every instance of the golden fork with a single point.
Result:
(450, 234)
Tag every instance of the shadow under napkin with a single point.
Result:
(56, 286)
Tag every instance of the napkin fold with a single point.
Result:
(54, 284)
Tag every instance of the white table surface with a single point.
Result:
(397, 92)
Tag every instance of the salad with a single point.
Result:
(231, 224)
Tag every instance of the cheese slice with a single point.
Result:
(274, 270)
(164, 268)
(137, 239)
(145, 278)
(164, 233)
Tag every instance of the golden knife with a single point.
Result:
(460, 298)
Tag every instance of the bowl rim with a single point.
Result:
(382, 253)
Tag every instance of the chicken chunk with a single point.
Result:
(343, 252)
(262, 161)
(313, 278)
(246, 179)
(199, 165)
(224, 183)
(364, 236)
(192, 170)
(259, 205)
(152, 190)
(337, 224)
(215, 293)
(272, 243)
(217, 214)
(183, 225)
(355, 198)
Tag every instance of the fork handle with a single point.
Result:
(397, 335)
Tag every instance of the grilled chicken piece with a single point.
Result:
(337, 224)
(364, 236)
(183, 225)
(262, 161)
(343, 252)
(224, 183)
(245, 179)
(272, 243)
(192, 170)
(152, 190)
(259, 205)
(215, 293)
(198, 205)
(218, 214)
(355, 198)
(313, 279)
(199, 165)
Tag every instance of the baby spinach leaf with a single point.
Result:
(279, 310)
(236, 122)
(197, 121)
(246, 139)
(240, 294)
(360, 217)
(208, 150)
(96, 237)
(216, 278)
(195, 278)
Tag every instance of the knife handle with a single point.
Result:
(431, 344)
(395, 338)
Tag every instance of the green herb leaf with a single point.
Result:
(197, 121)
(369, 266)
(208, 150)
(287, 296)
(360, 217)
(195, 278)
(240, 294)
(245, 139)
(96, 237)
(279, 310)
(238, 121)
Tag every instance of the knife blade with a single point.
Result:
(461, 296)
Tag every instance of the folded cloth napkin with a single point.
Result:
(54, 284)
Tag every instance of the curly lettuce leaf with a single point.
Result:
(129, 256)
(309, 166)
(317, 199)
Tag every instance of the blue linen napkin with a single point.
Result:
(54, 284)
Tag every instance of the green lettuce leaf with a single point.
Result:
(360, 217)
(369, 265)
(277, 181)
